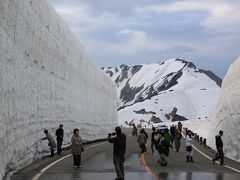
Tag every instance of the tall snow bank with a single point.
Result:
(226, 115)
(46, 78)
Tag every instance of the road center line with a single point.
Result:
(36, 177)
(145, 165)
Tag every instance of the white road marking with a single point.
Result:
(36, 177)
(206, 156)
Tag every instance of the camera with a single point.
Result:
(112, 134)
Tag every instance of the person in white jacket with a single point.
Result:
(189, 150)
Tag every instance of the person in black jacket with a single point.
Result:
(59, 133)
(219, 146)
(153, 140)
(119, 150)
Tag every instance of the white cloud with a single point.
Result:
(224, 15)
(81, 16)
(128, 29)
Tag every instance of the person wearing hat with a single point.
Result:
(119, 149)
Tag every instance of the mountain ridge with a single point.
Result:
(142, 83)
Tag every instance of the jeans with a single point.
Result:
(118, 161)
(219, 155)
(59, 146)
(77, 160)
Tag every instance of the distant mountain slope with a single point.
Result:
(169, 91)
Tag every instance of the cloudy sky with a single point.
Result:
(115, 32)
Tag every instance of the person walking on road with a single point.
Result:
(51, 142)
(153, 139)
(162, 150)
(60, 134)
(180, 126)
(189, 150)
(168, 137)
(134, 130)
(173, 132)
(178, 137)
(142, 140)
(119, 150)
(219, 146)
(77, 148)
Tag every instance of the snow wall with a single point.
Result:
(46, 78)
(226, 115)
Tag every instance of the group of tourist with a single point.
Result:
(161, 141)
(76, 140)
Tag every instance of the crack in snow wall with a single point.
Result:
(46, 78)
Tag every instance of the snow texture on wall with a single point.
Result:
(226, 115)
(46, 78)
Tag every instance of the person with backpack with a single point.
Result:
(178, 137)
(162, 150)
(51, 142)
(189, 150)
(119, 150)
(219, 146)
(142, 140)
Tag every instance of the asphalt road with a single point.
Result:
(97, 164)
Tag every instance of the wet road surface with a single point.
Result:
(97, 164)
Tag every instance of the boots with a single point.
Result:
(187, 159)
(191, 159)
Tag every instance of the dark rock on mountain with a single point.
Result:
(168, 84)
(136, 68)
(177, 117)
(127, 93)
(213, 76)
(155, 119)
(143, 111)
(109, 72)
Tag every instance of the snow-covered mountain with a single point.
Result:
(168, 91)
